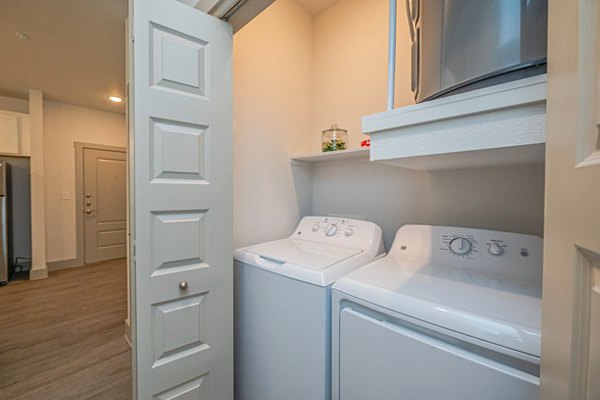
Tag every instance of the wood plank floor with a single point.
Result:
(62, 337)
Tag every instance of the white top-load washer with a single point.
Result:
(282, 303)
(449, 313)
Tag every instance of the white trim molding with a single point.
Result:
(39, 269)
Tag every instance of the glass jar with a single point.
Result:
(334, 138)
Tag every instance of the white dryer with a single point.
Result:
(282, 300)
(449, 313)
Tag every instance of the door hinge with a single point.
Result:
(133, 251)
(131, 34)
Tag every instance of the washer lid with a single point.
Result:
(312, 255)
(450, 299)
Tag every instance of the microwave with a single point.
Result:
(462, 45)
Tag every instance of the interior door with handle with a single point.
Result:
(105, 204)
(180, 118)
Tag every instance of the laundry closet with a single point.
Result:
(295, 74)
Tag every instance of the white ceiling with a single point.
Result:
(76, 50)
(76, 53)
(317, 6)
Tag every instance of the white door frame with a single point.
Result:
(79, 260)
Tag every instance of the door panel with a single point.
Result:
(180, 140)
(571, 299)
(105, 204)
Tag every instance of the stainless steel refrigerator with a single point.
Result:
(5, 219)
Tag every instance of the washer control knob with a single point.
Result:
(331, 230)
(460, 246)
(315, 227)
(495, 249)
(349, 232)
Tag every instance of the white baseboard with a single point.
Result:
(38, 273)
(64, 264)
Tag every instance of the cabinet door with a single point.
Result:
(9, 134)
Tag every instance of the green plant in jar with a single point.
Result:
(334, 139)
(334, 145)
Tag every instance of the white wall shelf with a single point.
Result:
(494, 126)
(351, 154)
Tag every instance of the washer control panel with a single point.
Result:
(340, 231)
(339, 227)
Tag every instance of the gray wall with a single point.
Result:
(21, 205)
(508, 198)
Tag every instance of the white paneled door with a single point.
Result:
(571, 297)
(105, 204)
(180, 111)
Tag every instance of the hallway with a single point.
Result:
(62, 337)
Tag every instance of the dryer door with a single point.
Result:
(384, 361)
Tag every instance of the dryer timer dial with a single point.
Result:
(460, 246)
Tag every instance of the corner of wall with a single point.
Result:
(272, 120)
(39, 269)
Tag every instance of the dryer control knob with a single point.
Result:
(460, 246)
(495, 249)
(315, 227)
(331, 230)
(349, 232)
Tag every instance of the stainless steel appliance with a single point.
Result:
(462, 45)
(5, 217)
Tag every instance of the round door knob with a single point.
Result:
(331, 230)
(183, 285)
(88, 211)
(460, 246)
(495, 249)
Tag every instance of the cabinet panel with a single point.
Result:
(14, 134)
(9, 134)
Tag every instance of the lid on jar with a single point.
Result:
(334, 128)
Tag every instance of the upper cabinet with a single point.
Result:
(14, 134)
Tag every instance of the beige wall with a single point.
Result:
(272, 114)
(350, 42)
(295, 75)
(63, 125)
(350, 80)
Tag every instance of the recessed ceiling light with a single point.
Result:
(22, 36)
(115, 99)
